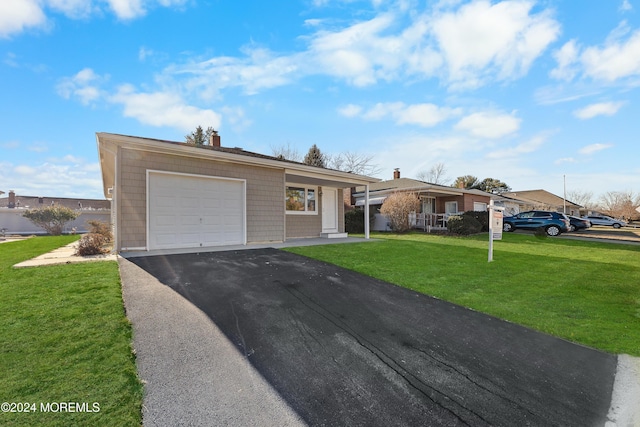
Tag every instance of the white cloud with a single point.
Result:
(566, 57)
(405, 44)
(489, 125)
(626, 6)
(57, 177)
(482, 39)
(530, 146)
(131, 9)
(143, 53)
(419, 152)
(599, 109)
(236, 117)
(24, 170)
(565, 160)
(160, 108)
(358, 53)
(593, 148)
(615, 60)
(10, 145)
(163, 109)
(350, 110)
(127, 9)
(84, 86)
(18, 15)
(425, 115)
(259, 69)
(72, 8)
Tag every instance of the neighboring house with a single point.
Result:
(519, 201)
(169, 195)
(13, 206)
(437, 202)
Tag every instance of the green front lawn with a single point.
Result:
(586, 292)
(64, 338)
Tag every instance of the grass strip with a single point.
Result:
(65, 338)
(583, 291)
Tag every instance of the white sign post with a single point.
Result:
(495, 226)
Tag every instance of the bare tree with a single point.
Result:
(286, 152)
(620, 204)
(357, 163)
(435, 175)
(397, 208)
(582, 198)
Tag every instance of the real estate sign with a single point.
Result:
(496, 223)
(495, 226)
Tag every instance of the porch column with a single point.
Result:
(366, 211)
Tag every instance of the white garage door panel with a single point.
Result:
(190, 211)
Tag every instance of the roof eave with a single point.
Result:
(107, 160)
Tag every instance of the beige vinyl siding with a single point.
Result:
(265, 193)
(340, 210)
(310, 225)
(304, 225)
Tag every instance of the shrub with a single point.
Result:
(397, 208)
(354, 221)
(51, 218)
(91, 244)
(102, 228)
(481, 216)
(463, 225)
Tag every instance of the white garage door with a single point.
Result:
(190, 211)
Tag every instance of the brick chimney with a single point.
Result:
(214, 139)
(12, 199)
(396, 173)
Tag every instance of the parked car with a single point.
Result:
(605, 220)
(553, 223)
(576, 223)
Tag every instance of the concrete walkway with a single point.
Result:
(193, 375)
(64, 255)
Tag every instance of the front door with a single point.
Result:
(329, 210)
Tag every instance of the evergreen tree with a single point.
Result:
(492, 185)
(314, 157)
(467, 181)
(200, 137)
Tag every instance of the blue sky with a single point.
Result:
(524, 91)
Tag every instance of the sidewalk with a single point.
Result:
(64, 255)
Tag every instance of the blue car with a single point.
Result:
(553, 223)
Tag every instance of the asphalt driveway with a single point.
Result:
(340, 348)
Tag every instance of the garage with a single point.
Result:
(190, 211)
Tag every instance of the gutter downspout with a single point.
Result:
(366, 212)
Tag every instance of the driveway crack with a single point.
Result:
(432, 394)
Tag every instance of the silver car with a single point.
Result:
(605, 220)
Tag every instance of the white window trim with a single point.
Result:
(449, 203)
(485, 205)
(306, 189)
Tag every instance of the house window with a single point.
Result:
(429, 205)
(301, 199)
(479, 206)
(451, 207)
